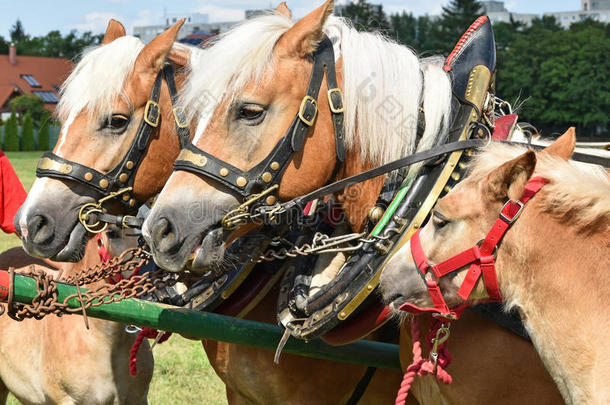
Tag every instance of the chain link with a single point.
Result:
(320, 244)
(47, 302)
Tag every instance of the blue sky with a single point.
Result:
(41, 16)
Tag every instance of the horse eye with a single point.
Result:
(439, 221)
(251, 112)
(117, 122)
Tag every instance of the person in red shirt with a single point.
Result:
(12, 194)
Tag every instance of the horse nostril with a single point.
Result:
(40, 229)
(164, 236)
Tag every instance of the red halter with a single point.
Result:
(481, 258)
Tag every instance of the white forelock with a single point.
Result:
(99, 77)
(383, 83)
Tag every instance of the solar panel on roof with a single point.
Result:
(31, 81)
(47, 96)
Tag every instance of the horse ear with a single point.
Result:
(283, 9)
(114, 30)
(304, 36)
(180, 55)
(563, 147)
(152, 57)
(509, 180)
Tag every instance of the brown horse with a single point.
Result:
(57, 360)
(564, 229)
(102, 105)
(112, 83)
(260, 70)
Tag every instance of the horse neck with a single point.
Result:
(556, 279)
(358, 199)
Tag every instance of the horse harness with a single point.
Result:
(264, 178)
(481, 258)
(118, 182)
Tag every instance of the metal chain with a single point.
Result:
(47, 302)
(321, 243)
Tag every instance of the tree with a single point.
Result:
(31, 104)
(455, 19)
(43, 137)
(366, 16)
(27, 133)
(53, 44)
(404, 28)
(11, 133)
(564, 74)
(17, 32)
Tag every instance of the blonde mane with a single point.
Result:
(98, 78)
(577, 194)
(384, 84)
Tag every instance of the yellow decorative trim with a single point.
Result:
(50, 164)
(194, 158)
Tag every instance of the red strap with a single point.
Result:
(480, 257)
(418, 253)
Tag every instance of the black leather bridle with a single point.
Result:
(268, 173)
(120, 179)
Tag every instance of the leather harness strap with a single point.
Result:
(123, 174)
(270, 170)
(481, 258)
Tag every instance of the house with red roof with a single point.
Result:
(40, 76)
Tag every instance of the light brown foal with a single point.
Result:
(56, 360)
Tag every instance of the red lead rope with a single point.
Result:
(421, 366)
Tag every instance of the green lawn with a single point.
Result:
(183, 374)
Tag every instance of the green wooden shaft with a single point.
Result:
(207, 325)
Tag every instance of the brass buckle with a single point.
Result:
(179, 112)
(96, 208)
(334, 109)
(313, 101)
(146, 110)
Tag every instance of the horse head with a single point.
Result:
(106, 142)
(461, 220)
(282, 109)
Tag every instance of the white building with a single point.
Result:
(194, 22)
(496, 12)
(598, 10)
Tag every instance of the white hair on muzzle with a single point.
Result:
(98, 78)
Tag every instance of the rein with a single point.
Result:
(118, 182)
(481, 258)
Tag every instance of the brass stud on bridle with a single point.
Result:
(224, 172)
(241, 181)
(274, 165)
(266, 177)
(129, 165)
(104, 183)
(123, 177)
(88, 176)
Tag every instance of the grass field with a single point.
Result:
(183, 374)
